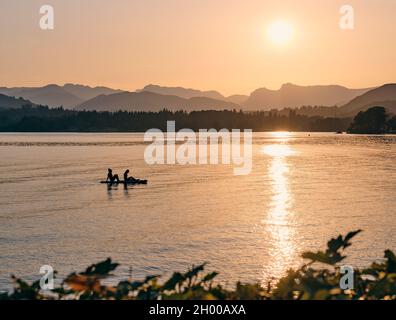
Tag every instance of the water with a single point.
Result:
(303, 189)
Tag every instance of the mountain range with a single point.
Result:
(154, 98)
(52, 95)
(291, 95)
(193, 93)
(151, 101)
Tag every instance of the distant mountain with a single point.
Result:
(150, 101)
(384, 96)
(291, 96)
(238, 99)
(7, 102)
(182, 92)
(86, 92)
(53, 95)
(154, 97)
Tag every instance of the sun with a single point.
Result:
(280, 32)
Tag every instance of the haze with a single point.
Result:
(205, 44)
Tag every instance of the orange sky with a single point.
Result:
(204, 44)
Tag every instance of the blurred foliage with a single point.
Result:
(318, 279)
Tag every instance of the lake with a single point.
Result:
(304, 188)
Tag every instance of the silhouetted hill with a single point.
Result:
(193, 93)
(153, 97)
(51, 95)
(291, 96)
(384, 96)
(150, 101)
(238, 99)
(182, 92)
(7, 102)
(68, 96)
(87, 92)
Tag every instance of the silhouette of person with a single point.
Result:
(128, 179)
(112, 178)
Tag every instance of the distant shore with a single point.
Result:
(44, 119)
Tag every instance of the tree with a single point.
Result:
(392, 124)
(372, 121)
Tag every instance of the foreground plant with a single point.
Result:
(318, 279)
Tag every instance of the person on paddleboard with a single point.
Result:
(111, 177)
(128, 179)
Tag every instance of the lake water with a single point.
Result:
(303, 189)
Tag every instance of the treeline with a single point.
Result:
(313, 111)
(44, 119)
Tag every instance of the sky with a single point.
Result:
(205, 44)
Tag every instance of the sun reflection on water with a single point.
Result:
(281, 134)
(278, 222)
(278, 150)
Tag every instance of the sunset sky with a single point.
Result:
(206, 44)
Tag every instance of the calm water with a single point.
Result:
(303, 189)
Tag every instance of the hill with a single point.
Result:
(54, 95)
(238, 99)
(150, 101)
(291, 96)
(182, 92)
(7, 102)
(87, 92)
(384, 96)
